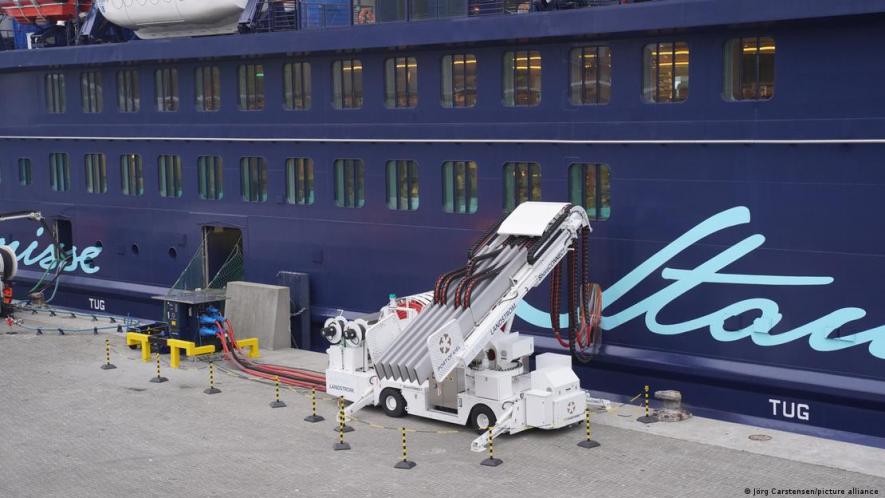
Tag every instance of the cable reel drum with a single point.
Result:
(8, 269)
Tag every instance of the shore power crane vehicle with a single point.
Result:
(450, 354)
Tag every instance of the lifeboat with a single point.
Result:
(44, 11)
(169, 18)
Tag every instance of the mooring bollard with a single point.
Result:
(313, 417)
(589, 442)
(341, 445)
(277, 403)
(648, 418)
(405, 463)
(491, 461)
(107, 356)
(158, 379)
(212, 389)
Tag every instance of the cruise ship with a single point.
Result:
(728, 154)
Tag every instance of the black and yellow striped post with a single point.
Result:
(313, 417)
(158, 379)
(277, 402)
(405, 463)
(589, 442)
(341, 445)
(212, 389)
(347, 428)
(107, 356)
(648, 418)
(491, 461)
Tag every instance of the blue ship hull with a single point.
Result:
(742, 262)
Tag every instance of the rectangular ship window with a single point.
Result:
(299, 181)
(166, 89)
(128, 94)
(55, 92)
(522, 182)
(522, 78)
(24, 171)
(207, 83)
(90, 91)
(749, 69)
(400, 82)
(210, 177)
(59, 172)
(350, 183)
(459, 187)
(253, 179)
(402, 185)
(251, 85)
(169, 171)
(590, 75)
(459, 80)
(131, 175)
(296, 86)
(590, 186)
(665, 72)
(347, 84)
(96, 168)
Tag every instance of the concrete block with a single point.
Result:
(259, 310)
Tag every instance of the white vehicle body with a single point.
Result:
(482, 364)
(169, 18)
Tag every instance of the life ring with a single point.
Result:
(366, 15)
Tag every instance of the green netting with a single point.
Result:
(194, 275)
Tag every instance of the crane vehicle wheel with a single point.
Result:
(392, 402)
(481, 418)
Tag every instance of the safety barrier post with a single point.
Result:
(589, 442)
(313, 417)
(107, 356)
(341, 445)
(158, 379)
(491, 461)
(405, 463)
(277, 403)
(212, 389)
(648, 418)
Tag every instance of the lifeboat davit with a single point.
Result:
(44, 11)
(170, 18)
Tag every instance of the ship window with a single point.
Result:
(459, 80)
(522, 182)
(251, 87)
(207, 80)
(590, 186)
(522, 78)
(24, 171)
(253, 179)
(90, 91)
(749, 69)
(459, 187)
(210, 176)
(59, 172)
(169, 169)
(55, 93)
(131, 175)
(347, 84)
(296, 86)
(96, 173)
(665, 72)
(128, 95)
(299, 181)
(350, 183)
(591, 75)
(402, 185)
(166, 89)
(401, 82)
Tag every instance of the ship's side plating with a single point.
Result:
(742, 260)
